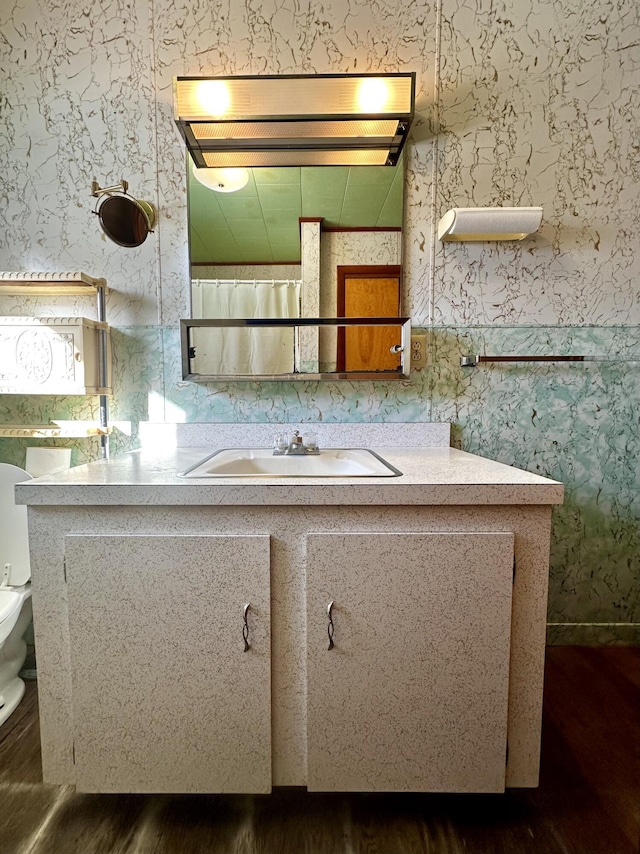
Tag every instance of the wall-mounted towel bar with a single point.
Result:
(474, 361)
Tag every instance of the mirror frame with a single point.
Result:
(380, 376)
(402, 373)
(144, 210)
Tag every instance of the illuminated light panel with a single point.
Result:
(290, 157)
(373, 95)
(293, 130)
(339, 119)
(212, 97)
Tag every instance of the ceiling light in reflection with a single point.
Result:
(222, 180)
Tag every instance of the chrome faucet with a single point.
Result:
(295, 446)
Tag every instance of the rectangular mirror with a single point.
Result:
(300, 242)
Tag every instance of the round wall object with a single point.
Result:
(125, 220)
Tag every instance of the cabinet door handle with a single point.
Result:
(330, 625)
(245, 627)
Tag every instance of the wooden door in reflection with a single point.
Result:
(368, 291)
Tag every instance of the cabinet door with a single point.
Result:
(413, 694)
(165, 697)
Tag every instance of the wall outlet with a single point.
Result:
(418, 358)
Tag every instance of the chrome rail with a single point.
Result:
(472, 361)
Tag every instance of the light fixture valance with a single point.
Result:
(481, 224)
(297, 120)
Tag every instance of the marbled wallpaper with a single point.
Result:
(532, 103)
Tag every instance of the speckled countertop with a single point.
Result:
(430, 476)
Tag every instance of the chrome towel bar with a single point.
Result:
(474, 361)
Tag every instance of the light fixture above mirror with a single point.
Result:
(295, 120)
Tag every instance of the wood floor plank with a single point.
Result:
(592, 707)
(623, 661)
(500, 824)
(23, 810)
(297, 821)
(588, 801)
(24, 711)
(197, 824)
(403, 824)
(20, 743)
(92, 824)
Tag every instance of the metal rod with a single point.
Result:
(530, 358)
(104, 424)
(473, 361)
(102, 304)
(103, 373)
(97, 190)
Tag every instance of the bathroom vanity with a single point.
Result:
(393, 640)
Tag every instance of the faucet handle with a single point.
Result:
(280, 442)
(311, 441)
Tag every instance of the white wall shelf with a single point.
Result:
(54, 355)
(55, 430)
(58, 284)
(50, 284)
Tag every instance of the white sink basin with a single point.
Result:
(260, 462)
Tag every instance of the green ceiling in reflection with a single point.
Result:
(260, 222)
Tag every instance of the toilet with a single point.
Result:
(15, 589)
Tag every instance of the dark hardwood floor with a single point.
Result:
(588, 801)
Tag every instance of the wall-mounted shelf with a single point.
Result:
(53, 355)
(55, 430)
(50, 284)
(68, 284)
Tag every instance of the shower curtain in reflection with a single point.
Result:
(236, 350)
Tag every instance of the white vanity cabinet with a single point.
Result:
(439, 587)
(408, 661)
(165, 697)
